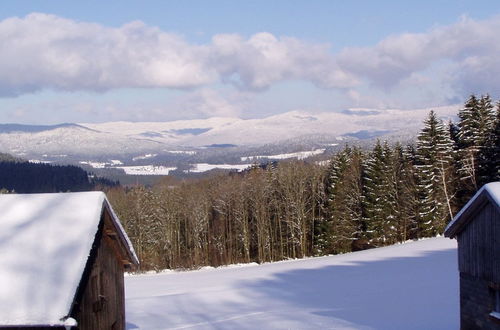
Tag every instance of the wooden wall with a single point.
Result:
(477, 300)
(102, 305)
(479, 245)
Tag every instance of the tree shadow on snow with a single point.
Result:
(397, 293)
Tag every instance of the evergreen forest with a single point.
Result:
(360, 200)
(20, 176)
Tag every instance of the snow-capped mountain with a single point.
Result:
(137, 138)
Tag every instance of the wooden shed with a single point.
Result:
(477, 229)
(62, 260)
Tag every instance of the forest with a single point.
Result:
(361, 199)
(21, 176)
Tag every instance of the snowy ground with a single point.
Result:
(409, 286)
(204, 167)
(299, 155)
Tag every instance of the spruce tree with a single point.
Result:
(343, 222)
(476, 122)
(434, 166)
(453, 129)
(485, 119)
(489, 156)
(403, 192)
(467, 124)
(378, 203)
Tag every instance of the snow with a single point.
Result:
(126, 138)
(70, 322)
(204, 167)
(298, 155)
(323, 162)
(495, 315)
(146, 156)
(45, 241)
(186, 152)
(147, 170)
(492, 189)
(36, 161)
(406, 286)
(94, 164)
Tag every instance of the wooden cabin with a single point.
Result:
(477, 230)
(62, 260)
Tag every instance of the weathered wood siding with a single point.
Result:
(102, 304)
(479, 245)
(476, 303)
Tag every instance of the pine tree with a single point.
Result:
(476, 122)
(411, 191)
(485, 119)
(343, 223)
(403, 193)
(467, 124)
(453, 129)
(489, 156)
(378, 203)
(434, 165)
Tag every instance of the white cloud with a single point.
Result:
(43, 51)
(470, 47)
(263, 59)
(209, 103)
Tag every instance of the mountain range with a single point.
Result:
(189, 145)
(139, 137)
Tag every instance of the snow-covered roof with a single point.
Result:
(490, 192)
(45, 241)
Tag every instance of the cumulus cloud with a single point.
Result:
(43, 51)
(263, 59)
(46, 51)
(207, 102)
(468, 47)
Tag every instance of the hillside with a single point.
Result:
(134, 139)
(408, 286)
(25, 177)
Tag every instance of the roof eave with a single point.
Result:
(476, 203)
(124, 239)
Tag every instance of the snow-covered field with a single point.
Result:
(298, 155)
(408, 286)
(204, 167)
(146, 156)
(147, 170)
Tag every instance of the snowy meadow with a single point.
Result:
(406, 286)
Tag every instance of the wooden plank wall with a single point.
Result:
(479, 245)
(103, 302)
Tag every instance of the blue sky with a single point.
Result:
(93, 61)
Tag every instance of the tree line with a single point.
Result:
(24, 177)
(361, 199)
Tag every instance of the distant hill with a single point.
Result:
(7, 158)
(24, 177)
(10, 128)
(95, 140)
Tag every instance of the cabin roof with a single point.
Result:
(489, 193)
(45, 242)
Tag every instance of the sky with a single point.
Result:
(97, 61)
